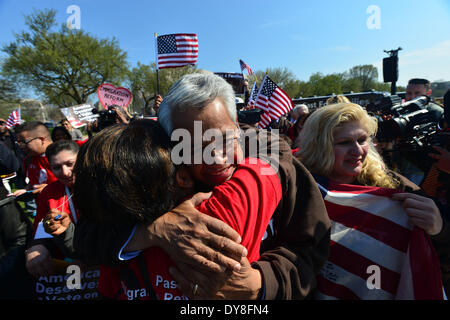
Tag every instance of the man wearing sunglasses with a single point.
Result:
(33, 138)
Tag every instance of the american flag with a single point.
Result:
(253, 94)
(265, 120)
(272, 99)
(13, 119)
(245, 66)
(370, 229)
(177, 50)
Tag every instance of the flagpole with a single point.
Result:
(157, 69)
(20, 115)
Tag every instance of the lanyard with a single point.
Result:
(71, 207)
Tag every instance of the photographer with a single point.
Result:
(411, 126)
(422, 87)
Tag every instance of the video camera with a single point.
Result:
(410, 123)
(405, 120)
(106, 118)
(251, 116)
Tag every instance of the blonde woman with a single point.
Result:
(367, 204)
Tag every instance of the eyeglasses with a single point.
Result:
(2, 122)
(21, 143)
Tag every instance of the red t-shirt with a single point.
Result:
(81, 142)
(38, 170)
(246, 202)
(53, 196)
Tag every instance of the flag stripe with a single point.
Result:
(178, 58)
(174, 65)
(386, 208)
(281, 95)
(278, 105)
(364, 222)
(423, 285)
(262, 103)
(354, 189)
(369, 228)
(367, 246)
(405, 289)
(358, 285)
(357, 264)
(335, 290)
(265, 120)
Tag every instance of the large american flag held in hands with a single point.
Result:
(273, 100)
(176, 50)
(368, 228)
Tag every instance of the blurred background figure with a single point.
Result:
(74, 132)
(15, 232)
(298, 112)
(60, 133)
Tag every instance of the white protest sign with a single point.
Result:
(80, 114)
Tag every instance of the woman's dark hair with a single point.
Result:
(125, 175)
(61, 145)
(59, 128)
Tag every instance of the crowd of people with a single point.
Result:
(290, 223)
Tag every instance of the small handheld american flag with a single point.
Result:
(272, 99)
(176, 50)
(13, 119)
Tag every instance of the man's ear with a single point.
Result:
(183, 178)
(429, 92)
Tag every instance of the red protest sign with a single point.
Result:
(109, 95)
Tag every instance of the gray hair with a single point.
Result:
(195, 90)
(299, 109)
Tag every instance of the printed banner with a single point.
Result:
(59, 285)
(235, 79)
(80, 114)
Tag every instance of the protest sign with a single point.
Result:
(57, 286)
(80, 114)
(109, 95)
(235, 79)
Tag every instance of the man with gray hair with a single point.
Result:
(295, 246)
(299, 111)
